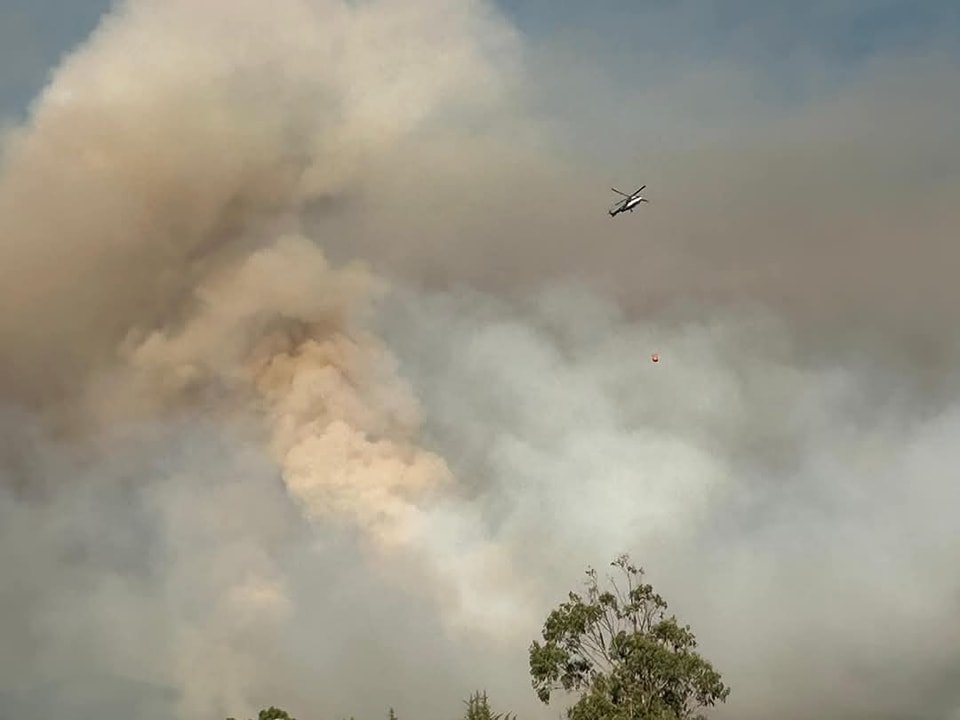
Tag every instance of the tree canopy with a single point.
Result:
(272, 713)
(478, 708)
(623, 654)
(616, 647)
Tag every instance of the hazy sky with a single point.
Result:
(629, 39)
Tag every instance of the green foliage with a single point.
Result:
(626, 658)
(272, 713)
(391, 715)
(478, 708)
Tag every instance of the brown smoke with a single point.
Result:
(153, 271)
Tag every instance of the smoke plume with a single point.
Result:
(324, 374)
(157, 280)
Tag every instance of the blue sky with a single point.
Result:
(779, 44)
(33, 36)
(842, 30)
(773, 37)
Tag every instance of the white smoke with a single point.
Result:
(782, 507)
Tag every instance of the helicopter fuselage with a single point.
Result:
(627, 205)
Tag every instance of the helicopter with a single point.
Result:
(629, 202)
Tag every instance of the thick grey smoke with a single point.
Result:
(239, 469)
(803, 524)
